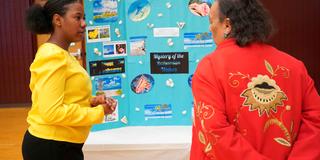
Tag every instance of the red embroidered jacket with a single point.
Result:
(254, 103)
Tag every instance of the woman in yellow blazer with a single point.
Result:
(63, 110)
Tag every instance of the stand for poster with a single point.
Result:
(139, 143)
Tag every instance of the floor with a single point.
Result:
(13, 126)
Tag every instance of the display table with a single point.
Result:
(139, 143)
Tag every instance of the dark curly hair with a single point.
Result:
(39, 18)
(250, 21)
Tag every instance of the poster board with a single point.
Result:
(143, 53)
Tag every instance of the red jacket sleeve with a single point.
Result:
(216, 137)
(308, 140)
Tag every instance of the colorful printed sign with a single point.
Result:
(105, 11)
(109, 86)
(156, 111)
(107, 67)
(169, 62)
(198, 40)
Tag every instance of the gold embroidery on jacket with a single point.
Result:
(235, 82)
(204, 112)
(290, 135)
(264, 95)
(279, 71)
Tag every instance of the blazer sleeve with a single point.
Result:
(217, 137)
(51, 73)
(308, 140)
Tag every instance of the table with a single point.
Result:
(139, 143)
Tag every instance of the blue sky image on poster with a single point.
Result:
(198, 40)
(108, 49)
(108, 86)
(139, 10)
(108, 83)
(105, 11)
(156, 111)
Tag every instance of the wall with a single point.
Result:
(298, 31)
(16, 53)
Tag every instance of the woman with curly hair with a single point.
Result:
(252, 101)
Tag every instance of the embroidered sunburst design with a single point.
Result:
(263, 94)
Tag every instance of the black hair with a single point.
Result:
(250, 21)
(39, 18)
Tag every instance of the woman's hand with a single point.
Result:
(100, 99)
(109, 106)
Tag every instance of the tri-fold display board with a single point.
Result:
(143, 53)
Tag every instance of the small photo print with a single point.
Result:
(137, 46)
(108, 49)
(200, 7)
(113, 49)
(113, 117)
(104, 32)
(121, 48)
(98, 33)
(93, 34)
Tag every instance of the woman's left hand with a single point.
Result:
(100, 99)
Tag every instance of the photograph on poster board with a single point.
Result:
(139, 10)
(138, 46)
(112, 49)
(104, 67)
(197, 40)
(142, 83)
(169, 62)
(108, 86)
(200, 7)
(108, 50)
(105, 11)
(113, 117)
(157, 111)
(98, 33)
(121, 48)
(190, 80)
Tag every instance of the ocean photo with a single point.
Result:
(139, 10)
